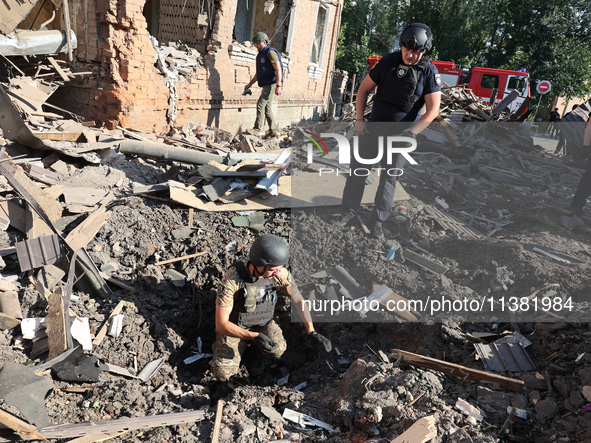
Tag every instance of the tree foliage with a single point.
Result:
(552, 40)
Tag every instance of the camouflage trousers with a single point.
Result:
(227, 351)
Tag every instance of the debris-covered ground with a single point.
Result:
(487, 218)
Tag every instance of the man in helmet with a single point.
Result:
(245, 307)
(405, 81)
(269, 75)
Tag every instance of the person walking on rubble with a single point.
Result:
(405, 80)
(269, 76)
(584, 187)
(245, 307)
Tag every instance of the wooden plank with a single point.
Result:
(59, 136)
(6, 286)
(10, 305)
(96, 438)
(55, 325)
(456, 370)
(103, 331)
(74, 430)
(423, 262)
(172, 260)
(43, 175)
(29, 190)
(59, 70)
(452, 137)
(118, 282)
(215, 436)
(80, 236)
(59, 166)
(35, 227)
(394, 298)
(447, 221)
(22, 427)
(386, 297)
(54, 191)
(83, 196)
(80, 209)
(50, 159)
(422, 431)
(15, 213)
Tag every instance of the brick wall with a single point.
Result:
(129, 90)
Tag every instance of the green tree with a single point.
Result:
(352, 50)
(552, 40)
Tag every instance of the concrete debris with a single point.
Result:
(474, 415)
(151, 218)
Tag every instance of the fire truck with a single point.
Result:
(485, 83)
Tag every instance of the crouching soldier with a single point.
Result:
(245, 307)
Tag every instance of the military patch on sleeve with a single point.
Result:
(438, 79)
(222, 287)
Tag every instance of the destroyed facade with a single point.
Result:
(158, 64)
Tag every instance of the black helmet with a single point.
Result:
(259, 37)
(416, 36)
(268, 250)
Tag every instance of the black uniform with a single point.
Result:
(400, 96)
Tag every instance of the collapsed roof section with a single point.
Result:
(13, 12)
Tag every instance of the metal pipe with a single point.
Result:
(36, 43)
(160, 150)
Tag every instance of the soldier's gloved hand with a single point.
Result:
(320, 342)
(265, 344)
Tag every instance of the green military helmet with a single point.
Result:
(269, 250)
(259, 37)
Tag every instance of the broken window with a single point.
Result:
(489, 81)
(184, 21)
(268, 16)
(517, 83)
(244, 20)
(319, 35)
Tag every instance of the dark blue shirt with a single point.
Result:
(387, 112)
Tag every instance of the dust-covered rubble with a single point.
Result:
(169, 258)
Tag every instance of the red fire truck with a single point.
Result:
(482, 81)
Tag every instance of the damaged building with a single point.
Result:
(152, 65)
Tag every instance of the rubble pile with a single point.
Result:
(113, 244)
(177, 60)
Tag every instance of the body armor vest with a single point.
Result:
(266, 74)
(399, 84)
(254, 303)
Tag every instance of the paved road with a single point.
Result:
(546, 142)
